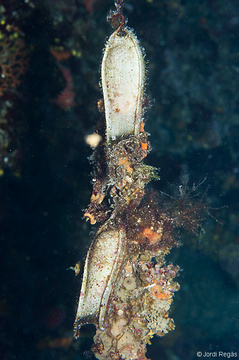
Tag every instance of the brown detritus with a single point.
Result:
(116, 18)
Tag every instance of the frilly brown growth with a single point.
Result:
(14, 59)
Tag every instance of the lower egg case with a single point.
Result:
(103, 262)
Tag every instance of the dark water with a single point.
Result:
(192, 53)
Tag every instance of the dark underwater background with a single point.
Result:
(52, 50)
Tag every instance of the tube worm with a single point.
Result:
(127, 285)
